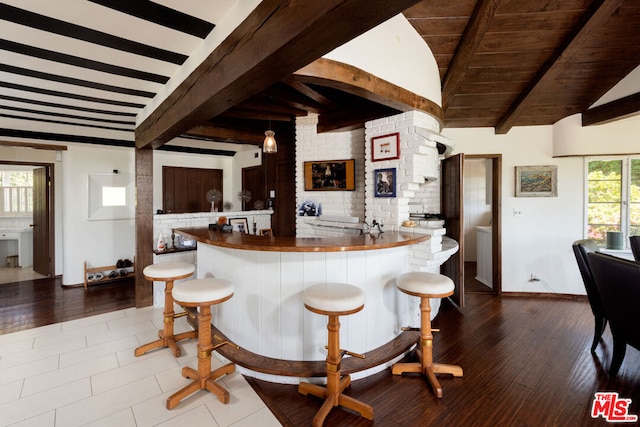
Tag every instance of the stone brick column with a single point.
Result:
(419, 162)
(417, 175)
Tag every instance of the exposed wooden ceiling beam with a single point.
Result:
(307, 91)
(355, 81)
(33, 145)
(222, 134)
(275, 40)
(612, 111)
(473, 35)
(251, 113)
(352, 117)
(286, 95)
(594, 19)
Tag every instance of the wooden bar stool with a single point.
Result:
(334, 300)
(168, 272)
(203, 293)
(426, 286)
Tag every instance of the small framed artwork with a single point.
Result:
(266, 232)
(330, 175)
(385, 147)
(310, 208)
(239, 224)
(385, 182)
(537, 181)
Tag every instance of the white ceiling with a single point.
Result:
(82, 70)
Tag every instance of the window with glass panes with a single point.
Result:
(613, 197)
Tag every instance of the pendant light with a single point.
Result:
(270, 145)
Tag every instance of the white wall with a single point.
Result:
(395, 52)
(572, 139)
(99, 242)
(103, 242)
(539, 241)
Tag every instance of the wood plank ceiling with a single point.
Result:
(82, 70)
(508, 63)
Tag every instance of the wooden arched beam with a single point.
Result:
(353, 80)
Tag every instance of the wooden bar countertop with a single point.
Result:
(251, 242)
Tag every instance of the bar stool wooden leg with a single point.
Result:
(336, 384)
(425, 354)
(203, 378)
(166, 335)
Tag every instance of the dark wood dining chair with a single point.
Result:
(634, 242)
(581, 248)
(618, 281)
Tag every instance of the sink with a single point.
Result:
(17, 242)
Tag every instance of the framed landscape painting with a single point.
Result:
(537, 181)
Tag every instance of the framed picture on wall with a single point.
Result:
(385, 147)
(385, 182)
(330, 175)
(537, 181)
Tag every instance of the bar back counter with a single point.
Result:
(279, 340)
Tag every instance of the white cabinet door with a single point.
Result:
(484, 273)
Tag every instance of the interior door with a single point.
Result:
(284, 215)
(41, 215)
(254, 182)
(452, 211)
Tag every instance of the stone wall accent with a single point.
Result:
(312, 146)
(419, 161)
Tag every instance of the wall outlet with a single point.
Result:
(517, 212)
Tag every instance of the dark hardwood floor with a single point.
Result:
(471, 285)
(25, 305)
(526, 361)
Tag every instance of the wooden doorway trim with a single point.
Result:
(452, 209)
(496, 217)
(47, 240)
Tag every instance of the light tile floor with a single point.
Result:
(83, 372)
(10, 275)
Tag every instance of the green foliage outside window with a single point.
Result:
(606, 207)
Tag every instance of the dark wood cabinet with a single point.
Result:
(184, 190)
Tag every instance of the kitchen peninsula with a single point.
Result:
(279, 339)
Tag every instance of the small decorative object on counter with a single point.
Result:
(160, 246)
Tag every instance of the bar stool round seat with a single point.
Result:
(419, 283)
(206, 290)
(168, 272)
(203, 293)
(334, 300)
(426, 286)
(337, 298)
